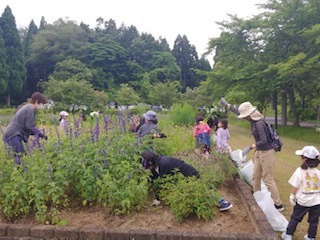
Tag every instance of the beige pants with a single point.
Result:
(264, 162)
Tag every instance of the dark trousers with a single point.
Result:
(17, 146)
(298, 213)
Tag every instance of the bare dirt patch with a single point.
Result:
(159, 217)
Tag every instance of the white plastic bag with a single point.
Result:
(247, 171)
(238, 157)
(275, 218)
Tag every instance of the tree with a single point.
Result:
(126, 95)
(14, 60)
(4, 71)
(72, 68)
(186, 56)
(26, 43)
(54, 44)
(70, 92)
(165, 93)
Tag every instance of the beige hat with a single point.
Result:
(245, 109)
(256, 115)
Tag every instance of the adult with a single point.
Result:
(22, 125)
(265, 155)
(163, 165)
(150, 126)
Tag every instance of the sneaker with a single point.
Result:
(280, 207)
(307, 238)
(224, 205)
(285, 236)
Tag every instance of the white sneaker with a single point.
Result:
(285, 236)
(307, 238)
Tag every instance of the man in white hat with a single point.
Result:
(265, 155)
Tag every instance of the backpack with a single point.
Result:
(273, 138)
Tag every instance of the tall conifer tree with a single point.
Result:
(4, 74)
(15, 60)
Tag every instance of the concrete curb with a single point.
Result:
(263, 229)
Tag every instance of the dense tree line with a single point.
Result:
(107, 58)
(270, 59)
(273, 55)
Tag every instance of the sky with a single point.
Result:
(166, 18)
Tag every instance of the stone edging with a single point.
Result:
(264, 230)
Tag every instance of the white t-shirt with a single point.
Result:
(308, 184)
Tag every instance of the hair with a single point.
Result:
(224, 123)
(149, 160)
(310, 163)
(199, 117)
(37, 97)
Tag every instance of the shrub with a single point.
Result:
(183, 114)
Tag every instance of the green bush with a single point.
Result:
(183, 114)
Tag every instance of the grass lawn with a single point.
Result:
(286, 164)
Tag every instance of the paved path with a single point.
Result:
(271, 120)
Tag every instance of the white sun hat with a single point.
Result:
(64, 113)
(309, 152)
(246, 109)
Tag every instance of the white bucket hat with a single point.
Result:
(245, 109)
(309, 152)
(64, 113)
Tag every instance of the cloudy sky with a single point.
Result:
(166, 18)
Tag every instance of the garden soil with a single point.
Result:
(234, 220)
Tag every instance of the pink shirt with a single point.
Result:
(202, 127)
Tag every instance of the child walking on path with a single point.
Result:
(222, 136)
(305, 193)
(201, 131)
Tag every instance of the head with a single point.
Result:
(64, 114)
(150, 116)
(223, 123)
(309, 156)
(198, 118)
(38, 99)
(249, 112)
(149, 160)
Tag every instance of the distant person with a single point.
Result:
(22, 125)
(265, 155)
(305, 193)
(64, 123)
(201, 132)
(222, 137)
(150, 126)
(164, 165)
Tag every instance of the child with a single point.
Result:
(201, 131)
(63, 120)
(305, 193)
(222, 136)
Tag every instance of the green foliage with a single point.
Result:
(196, 197)
(183, 114)
(126, 95)
(187, 197)
(72, 92)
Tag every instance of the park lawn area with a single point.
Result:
(286, 164)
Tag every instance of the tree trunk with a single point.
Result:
(293, 110)
(284, 104)
(8, 100)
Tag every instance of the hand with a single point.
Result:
(223, 102)
(292, 199)
(253, 146)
